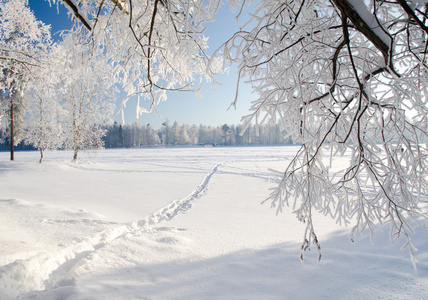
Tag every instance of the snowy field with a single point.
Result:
(180, 223)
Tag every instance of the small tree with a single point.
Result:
(166, 133)
(15, 109)
(226, 133)
(184, 135)
(23, 43)
(151, 136)
(44, 126)
(175, 132)
(87, 95)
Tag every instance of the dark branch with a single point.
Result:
(349, 11)
(412, 14)
(77, 14)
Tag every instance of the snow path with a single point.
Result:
(46, 270)
(179, 206)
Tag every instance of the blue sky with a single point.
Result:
(185, 108)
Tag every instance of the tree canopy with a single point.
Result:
(344, 76)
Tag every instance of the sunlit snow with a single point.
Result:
(180, 223)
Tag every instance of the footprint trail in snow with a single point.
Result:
(48, 270)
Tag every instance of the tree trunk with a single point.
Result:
(12, 141)
(75, 154)
(41, 154)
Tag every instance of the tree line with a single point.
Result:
(136, 135)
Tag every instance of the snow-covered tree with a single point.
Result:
(166, 133)
(193, 134)
(175, 133)
(152, 138)
(111, 139)
(225, 133)
(87, 95)
(23, 43)
(344, 76)
(14, 109)
(44, 123)
(184, 135)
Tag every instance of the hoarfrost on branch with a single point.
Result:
(344, 77)
(154, 46)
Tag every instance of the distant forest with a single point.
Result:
(136, 135)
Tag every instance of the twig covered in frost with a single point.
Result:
(344, 77)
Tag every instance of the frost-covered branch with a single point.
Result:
(74, 7)
(344, 77)
(155, 46)
(368, 24)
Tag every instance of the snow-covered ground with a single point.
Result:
(179, 223)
